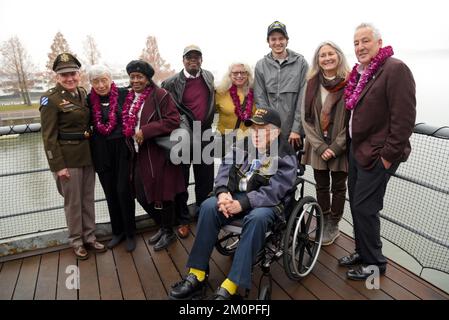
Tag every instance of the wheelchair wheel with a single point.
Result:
(227, 244)
(303, 237)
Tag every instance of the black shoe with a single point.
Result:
(130, 244)
(351, 260)
(362, 272)
(223, 294)
(166, 239)
(155, 237)
(187, 289)
(115, 240)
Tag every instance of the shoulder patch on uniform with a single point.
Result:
(44, 101)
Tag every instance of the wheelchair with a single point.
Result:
(295, 237)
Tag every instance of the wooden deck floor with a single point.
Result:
(146, 274)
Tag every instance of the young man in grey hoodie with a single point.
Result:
(280, 79)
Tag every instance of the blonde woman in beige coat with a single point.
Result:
(324, 120)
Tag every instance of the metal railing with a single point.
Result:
(415, 216)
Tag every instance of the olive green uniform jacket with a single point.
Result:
(63, 113)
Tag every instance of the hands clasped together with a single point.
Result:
(227, 205)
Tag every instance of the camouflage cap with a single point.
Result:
(66, 62)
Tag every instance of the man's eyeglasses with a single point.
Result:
(241, 73)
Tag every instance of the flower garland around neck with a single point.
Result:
(354, 88)
(245, 112)
(130, 116)
(105, 128)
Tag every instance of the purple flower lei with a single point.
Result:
(353, 88)
(105, 128)
(130, 117)
(246, 112)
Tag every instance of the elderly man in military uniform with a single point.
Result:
(65, 132)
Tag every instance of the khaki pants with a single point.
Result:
(79, 206)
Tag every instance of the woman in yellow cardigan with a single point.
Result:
(234, 100)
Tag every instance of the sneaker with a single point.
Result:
(330, 233)
(187, 289)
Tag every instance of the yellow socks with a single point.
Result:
(200, 275)
(230, 286)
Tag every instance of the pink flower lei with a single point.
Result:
(243, 113)
(353, 88)
(105, 128)
(130, 117)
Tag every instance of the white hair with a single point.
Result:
(376, 32)
(226, 83)
(99, 70)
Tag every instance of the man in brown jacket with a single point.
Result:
(380, 95)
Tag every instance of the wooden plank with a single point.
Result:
(149, 277)
(336, 284)
(420, 280)
(107, 277)
(89, 288)
(394, 273)
(8, 278)
(66, 259)
(127, 273)
(319, 288)
(48, 277)
(386, 284)
(331, 263)
(295, 289)
(26, 283)
(165, 266)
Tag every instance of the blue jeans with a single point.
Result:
(256, 223)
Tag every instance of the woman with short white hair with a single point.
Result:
(110, 155)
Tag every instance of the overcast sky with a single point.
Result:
(226, 30)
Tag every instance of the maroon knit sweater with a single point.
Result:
(196, 97)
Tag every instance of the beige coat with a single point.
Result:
(315, 144)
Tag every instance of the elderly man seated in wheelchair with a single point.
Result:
(253, 183)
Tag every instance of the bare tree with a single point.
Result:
(151, 55)
(16, 65)
(58, 46)
(91, 51)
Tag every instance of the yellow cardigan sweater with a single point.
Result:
(226, 116)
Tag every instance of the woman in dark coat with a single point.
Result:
(156, 180)
(110, 155)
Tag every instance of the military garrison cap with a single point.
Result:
(66, 62)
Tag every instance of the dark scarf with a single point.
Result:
(335, 88)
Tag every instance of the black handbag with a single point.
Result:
(179, 139)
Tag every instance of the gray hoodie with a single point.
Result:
(281, 87)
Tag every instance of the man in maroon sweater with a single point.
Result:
(380, 95)
(193, 88)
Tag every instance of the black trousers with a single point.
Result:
(114, 179)
(366, 190)
(163, 213)
(204, 182)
